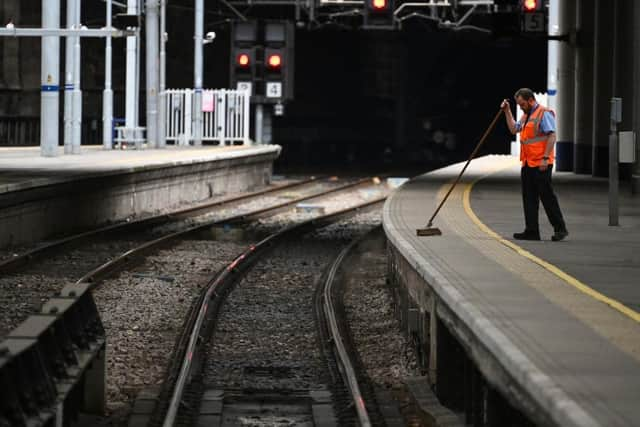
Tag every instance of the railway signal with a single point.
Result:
(278, 61)
(529, 6)
(243, 56)
(378, 14)
(533, 17)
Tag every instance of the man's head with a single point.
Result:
(525, 99)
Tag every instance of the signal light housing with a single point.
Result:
(378, 14)
(243, 60)
(380, 5)
(531, 5)
(274, 61)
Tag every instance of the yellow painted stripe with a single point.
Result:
(549, 267)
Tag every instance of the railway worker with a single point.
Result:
(537, 129)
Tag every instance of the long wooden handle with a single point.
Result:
(475, 151)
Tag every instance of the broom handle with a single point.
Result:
(475, 151)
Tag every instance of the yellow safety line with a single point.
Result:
(550, 267)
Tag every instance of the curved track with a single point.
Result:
(87, 257)
(295, 376)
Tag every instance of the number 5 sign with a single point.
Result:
(534, 22)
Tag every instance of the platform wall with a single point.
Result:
(47, 211)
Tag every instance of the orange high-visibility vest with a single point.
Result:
(532, 141)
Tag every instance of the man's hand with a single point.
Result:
(544, 164)
(505, 105)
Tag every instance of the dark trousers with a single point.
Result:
(536, 187)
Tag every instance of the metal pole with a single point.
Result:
(153, 53)
(615, 118)
(68, 79)
(565, 85)
(50, 79)
(583, 113)
(162, 108)
(197, 73)
(131, 95)
(552, 56)
(137, 73)
(259, 123)
(602, 78)
(77, 93)
(635, 179)
(616, 113)
(61, 32)
(107, 94)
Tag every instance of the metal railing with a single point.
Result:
(126, 137)
(225, 117)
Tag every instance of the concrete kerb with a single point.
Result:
(105, 196)
(536, 386)
(225, 155)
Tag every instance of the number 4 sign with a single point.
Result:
(274, 89)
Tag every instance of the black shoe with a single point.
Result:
(559, 235)
(527, 235)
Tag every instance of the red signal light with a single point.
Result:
(243, 60)
(530, 5)
(380, 4)
(274, 61)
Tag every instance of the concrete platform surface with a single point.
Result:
(47, 197)
(570, 345)
(606, 258)
(23, 168)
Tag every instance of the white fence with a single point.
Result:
(225, 117)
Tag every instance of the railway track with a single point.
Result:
(28, 279)
(143, 250)
(268, 362)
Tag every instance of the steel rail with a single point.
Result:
(259, 212)
(348, 371)
(28, 256)
(118, 261)
(221, 278)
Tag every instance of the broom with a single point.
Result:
(429, 230)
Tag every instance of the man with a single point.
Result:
(537, 129)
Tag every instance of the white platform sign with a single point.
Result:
(274, 90)
(245, 86)
(207, 101)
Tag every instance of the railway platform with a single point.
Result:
(41, 197)
(547, 330)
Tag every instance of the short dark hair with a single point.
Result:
(525, 93)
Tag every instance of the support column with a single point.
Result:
(77, 93)
(197, 73)
(69, 68)
(10, 64)
(107, 94)
(258, 130)
(635, 178)
(565, 84)
(267, 125)
(50, 79)
(624, 87)
(131, 95)
(162, 106)
(552, 56)
(602, 89)
(152, 74)
(583, 123)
